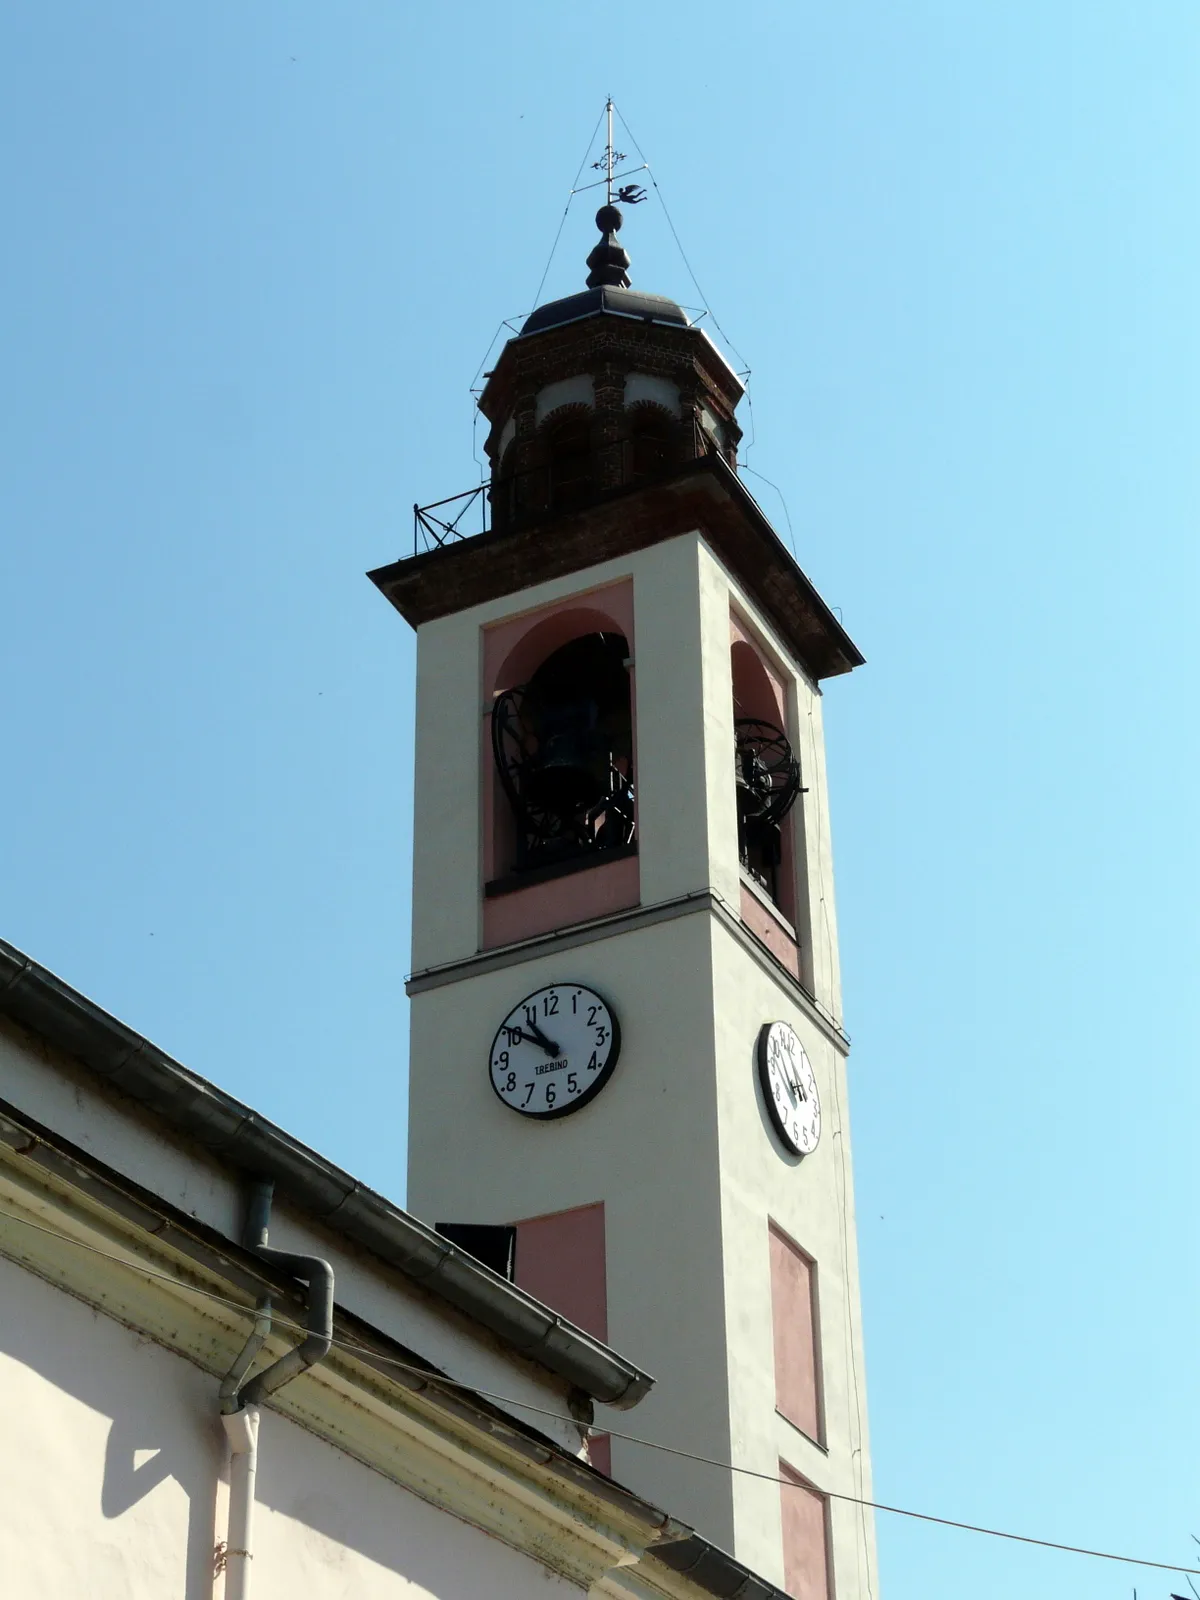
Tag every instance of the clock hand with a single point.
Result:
(791, 1079)
(532, 1032)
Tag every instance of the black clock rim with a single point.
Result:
(764, 1079)
(602, 1076)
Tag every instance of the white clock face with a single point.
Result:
(790, 1087)
(554, 1051)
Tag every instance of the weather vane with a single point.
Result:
(631, 194)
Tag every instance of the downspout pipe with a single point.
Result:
(239, 1406)
(241, 1429)
(316, 1273)
(231, 1383)
(240, 1422)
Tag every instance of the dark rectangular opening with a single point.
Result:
(492, 1244)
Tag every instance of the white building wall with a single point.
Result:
(812, 1201)
(446, 808)
(111, 1483)
(671, 777)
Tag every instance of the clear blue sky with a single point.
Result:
(254, 256)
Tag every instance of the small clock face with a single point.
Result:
(554, 1051)
(790, 1087)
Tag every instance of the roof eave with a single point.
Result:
(39, 1001)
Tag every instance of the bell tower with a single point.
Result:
(626, 1020)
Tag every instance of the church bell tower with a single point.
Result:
(627, 1041)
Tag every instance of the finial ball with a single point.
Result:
(609, 219)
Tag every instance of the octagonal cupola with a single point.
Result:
(602, 390)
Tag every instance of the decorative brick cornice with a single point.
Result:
(608, 343)
(703, 496)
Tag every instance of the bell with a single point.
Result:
(566, 774)
(753, 781)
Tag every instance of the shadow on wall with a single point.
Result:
(66, 1371)
(112, 1428)
(126, 1482)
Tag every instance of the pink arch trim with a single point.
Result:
(512, 650)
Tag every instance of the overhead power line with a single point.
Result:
(435, 1379)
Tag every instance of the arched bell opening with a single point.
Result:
(562, 743)
(505, 490)
(653, 445)
(566, 447)
(766, 779)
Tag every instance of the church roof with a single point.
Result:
(608, 292)
(609, 300)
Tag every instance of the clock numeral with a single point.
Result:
(572, 1084)
(531, 1016)
(601, 1034)
(510, 1083)
(528, 1094)
(550, 1095)
(502, 1058)
(593, 1065)
(593, 1012)
(550, 1005)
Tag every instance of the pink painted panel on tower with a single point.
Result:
(803, 1514)
(577, 897)
(758, 689)
(514, 647)
(797, 1389)
(771, 929)
(560, 1261)
(512, 651)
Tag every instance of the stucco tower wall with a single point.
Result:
(677, 1146)
(647, 1147)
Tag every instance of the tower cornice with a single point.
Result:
(704, 495)
(699, 902)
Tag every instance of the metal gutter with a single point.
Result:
(710, 1568)
(36, 999)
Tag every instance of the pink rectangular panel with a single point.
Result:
(771, 930)
(805, 1537)
(560, 1261)
(577, 897)
(797, 1389)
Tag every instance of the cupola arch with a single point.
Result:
(653, 440)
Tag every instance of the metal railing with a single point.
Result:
(533, 492)
(430, 532)
(518, 496)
